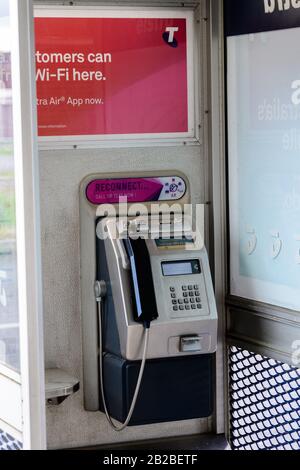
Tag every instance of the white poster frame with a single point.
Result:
(128, 140)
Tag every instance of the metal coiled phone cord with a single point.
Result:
(100, 293)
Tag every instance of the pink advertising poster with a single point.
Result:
(102, 76)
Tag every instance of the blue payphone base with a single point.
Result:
(172, 389)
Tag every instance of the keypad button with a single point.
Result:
(196, 287)
(192, 300)
(185, 294)
(199, 306)
(174, 302)
(180, 301)
(193, 307)
(197, 293)
(173, 296)
(190, 287)
(175, 309)
(184, 287)
(187, 307)
(172, 289)
(186, 301)
(181, 307)
(191, 294)
(198, 299)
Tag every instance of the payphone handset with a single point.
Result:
(144, 302)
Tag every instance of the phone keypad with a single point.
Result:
(188, 298)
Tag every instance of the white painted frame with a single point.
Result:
(133, 140)
(24, 414)
(218, 190)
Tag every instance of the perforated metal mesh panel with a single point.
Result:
(264, 402)
(9, 443)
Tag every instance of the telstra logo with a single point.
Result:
(169, 35)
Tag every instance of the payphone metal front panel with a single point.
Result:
(183, 293)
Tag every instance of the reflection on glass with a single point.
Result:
(9, 328)
(264, 164)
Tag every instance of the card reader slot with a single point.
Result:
(142, 281)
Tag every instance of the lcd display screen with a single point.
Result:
(180, 268)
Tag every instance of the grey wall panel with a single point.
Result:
(69, 425)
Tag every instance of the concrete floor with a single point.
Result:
(195, 442)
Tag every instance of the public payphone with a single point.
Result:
(154, 331)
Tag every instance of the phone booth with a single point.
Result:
(149, 235)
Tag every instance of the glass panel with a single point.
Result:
(264, 166)
(9, 329)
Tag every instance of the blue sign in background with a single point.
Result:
(249, 16)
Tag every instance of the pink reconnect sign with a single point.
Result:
(109, 191)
